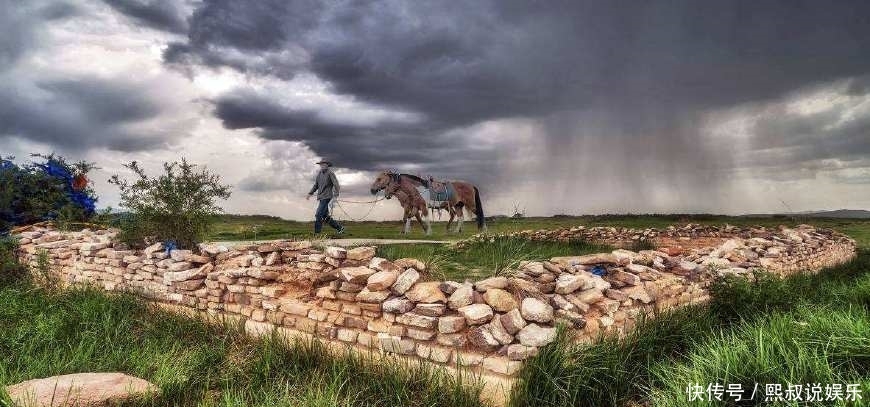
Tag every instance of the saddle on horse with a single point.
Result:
(438, 193)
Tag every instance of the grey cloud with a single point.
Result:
(159, 14)
(78, 113)
(639, 74)
(262, 37)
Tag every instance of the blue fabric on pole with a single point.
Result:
(599, 271)
(169, 246)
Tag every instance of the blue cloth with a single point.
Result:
(599, 271)
(322, 215)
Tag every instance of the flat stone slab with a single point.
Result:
(78, 389)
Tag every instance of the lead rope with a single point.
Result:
(337, 202)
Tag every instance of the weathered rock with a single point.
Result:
(370, 296)
(500, 300)
(451, 324)
(170, 277)
(533, 268)
(405, 281)
(638, 293)
(461, 297)
(427, 292)
(589, 296)
(574, 319)
(449, 287)
(79, 389)
(381, 280)
(533, 309)
(627, 278)
(492, 282)
(499, 332)
(589, 259)
(535, 335)
(179, 255)
(154, 248)
(361, 253)
(417, 320)
(337, 252)
(482, 338)
(476, 314)
(397, 305)
(382, 264)
(432, 310)
(356, 275)
(568, 283)
(180, 266)
(406, 263)
(521, 352)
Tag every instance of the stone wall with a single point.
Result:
(350, 296)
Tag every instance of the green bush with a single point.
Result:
(10, 270)
(175, 206)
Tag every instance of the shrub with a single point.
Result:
(10, 270)
(176, 206)
(49, 190)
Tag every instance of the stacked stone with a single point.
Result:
(353, 297)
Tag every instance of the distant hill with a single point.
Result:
(839, 213)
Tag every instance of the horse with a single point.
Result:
(464, 196)
(408, 195)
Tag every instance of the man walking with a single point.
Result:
(327, 188)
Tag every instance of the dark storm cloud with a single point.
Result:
(159, 14)
(261, 37)
(650, 69)
(351, 145)
(78, 113)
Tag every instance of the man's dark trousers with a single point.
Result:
(322, 214)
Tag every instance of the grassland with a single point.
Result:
(239, 228)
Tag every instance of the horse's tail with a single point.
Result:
(479, 207)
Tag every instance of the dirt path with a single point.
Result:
(344, 242)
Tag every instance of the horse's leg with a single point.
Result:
(460, 211)
(420, 219)
(408, 220)
(452, 213)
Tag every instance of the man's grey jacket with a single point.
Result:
(324, 184)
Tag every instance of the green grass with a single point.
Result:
(240, 228)
(195, 363)
(484, 259)
(803, 329)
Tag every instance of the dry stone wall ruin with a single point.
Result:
(351, 296)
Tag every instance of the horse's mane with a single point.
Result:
(415, 178)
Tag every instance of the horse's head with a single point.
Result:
(381, 182)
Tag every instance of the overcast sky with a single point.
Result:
(571, 107)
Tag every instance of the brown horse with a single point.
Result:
(400, 186)
(464, 196)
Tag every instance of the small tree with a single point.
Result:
(176, 206)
